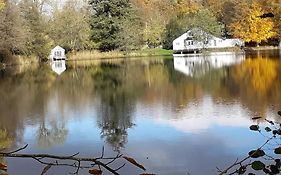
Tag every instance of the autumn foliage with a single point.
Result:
(130, 24)
(249, 25)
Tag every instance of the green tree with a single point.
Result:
(203, 20)
(173, 30)
(12, 35)
(106, 22)
(207, 21)
(37, 41)
(154, 16)
(70, 27)
(131, 37)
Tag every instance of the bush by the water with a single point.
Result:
(5, 56)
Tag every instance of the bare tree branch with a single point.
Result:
(41, 158)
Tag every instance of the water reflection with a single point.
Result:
(5, 140)
(53, 134)
(197, 65)
(117, 102)
(58, 66)
(144, 108)
(260, 72)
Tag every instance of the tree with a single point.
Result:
(249, 26)
(154, 16)
(173, 30)
(273, 6)
(131, 37)
(35, 25)
(70, 27)
(184, 7)
(106, 22)
(205, 20)
(12, 35)
(203, 23)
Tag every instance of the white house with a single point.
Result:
(57, 53)
(187, 42)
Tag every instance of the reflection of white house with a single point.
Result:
(199, 64)
(57, 53)
(187, 41)
(58, 66)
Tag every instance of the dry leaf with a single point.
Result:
(46, 169)
(3, 167)
(132, 161)
(95, 172)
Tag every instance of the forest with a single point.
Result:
(33, 27)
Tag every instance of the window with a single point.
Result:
(58, 64)
(188, 42)
(215, 42)
(58, 53)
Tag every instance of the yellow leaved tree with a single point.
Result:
(184, 7)
(249, 26)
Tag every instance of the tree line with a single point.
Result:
(33, 27)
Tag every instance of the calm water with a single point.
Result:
(187, 115)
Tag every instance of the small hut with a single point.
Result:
(57, 53)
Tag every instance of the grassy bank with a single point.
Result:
(88, 55)
(18, 60)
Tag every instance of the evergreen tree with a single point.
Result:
(107, 20)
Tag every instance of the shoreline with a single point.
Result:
(95, 55)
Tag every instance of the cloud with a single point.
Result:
(202, 115)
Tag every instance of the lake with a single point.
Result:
(186, 115)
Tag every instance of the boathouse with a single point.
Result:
(57, 53)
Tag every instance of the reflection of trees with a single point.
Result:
(5, 139)
(255, 81)
(118, 91)
(48, 136)
(119, 87)
(24, 94)
(260, 72)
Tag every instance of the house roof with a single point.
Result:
(58, 48)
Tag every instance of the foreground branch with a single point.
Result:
(100, 162)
